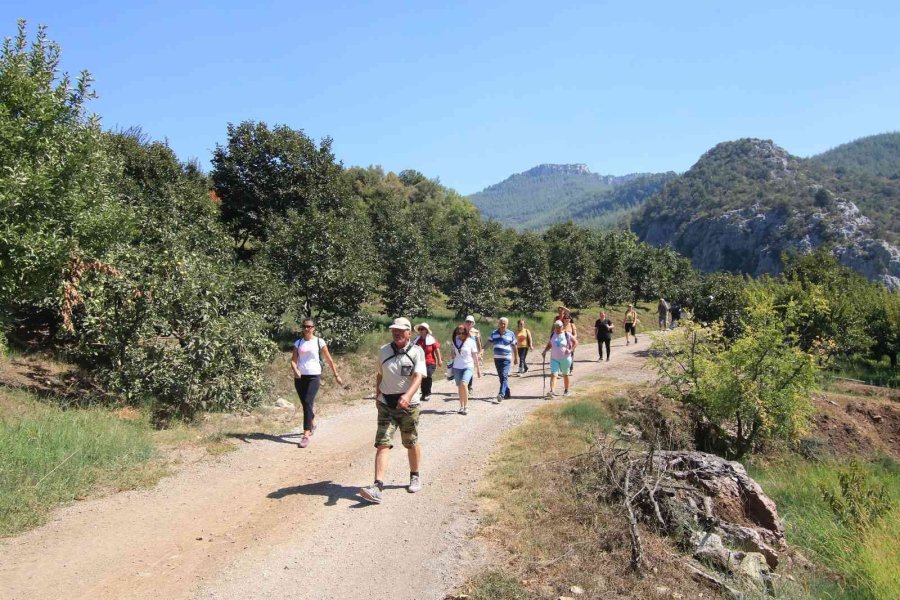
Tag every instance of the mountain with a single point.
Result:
(746, 203)
(550, 193)
(877, 155)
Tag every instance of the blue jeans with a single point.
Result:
(503, 366)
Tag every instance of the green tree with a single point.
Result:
(571, 263)
(56, 203)
(260, 173)
(479, 275)
(325, 260)
(613, 252)
(744, 391)
(529, 274)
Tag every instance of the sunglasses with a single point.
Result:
(309, 327)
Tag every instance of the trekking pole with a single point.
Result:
(543, 376)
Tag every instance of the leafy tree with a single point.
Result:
(325, 260)
(530, 274)
(168, 326)
(883, 325)
(56, 204)
(613, 252)
(744, 391)
(571, 263)
(720, 297)
(479, 273)
(260, 173)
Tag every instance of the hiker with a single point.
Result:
(631, 323)
(465, 363)
(432, 349)
(676, 314)
(524, 343)
(603, 329)
(561, 346)
(502, 341)
(663, 309)
(306, 364)
(469, 324)
(401, 367)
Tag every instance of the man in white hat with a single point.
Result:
(401, 367)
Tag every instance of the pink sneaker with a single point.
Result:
(304, 442)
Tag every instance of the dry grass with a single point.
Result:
(551, 540)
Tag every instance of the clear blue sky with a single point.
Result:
(471, 92)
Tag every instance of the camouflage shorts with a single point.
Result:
(391, 419)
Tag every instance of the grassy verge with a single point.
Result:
(865, 561)
(869, 371)
(549, 540)
(50, 456)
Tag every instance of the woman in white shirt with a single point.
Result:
(465, 362)
(306, 364)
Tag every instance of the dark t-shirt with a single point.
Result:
(604, 329)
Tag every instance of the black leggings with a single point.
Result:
(600, 344)
(428, 380)
(307, 387)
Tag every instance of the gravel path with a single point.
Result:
(271, 520)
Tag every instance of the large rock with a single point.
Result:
(716, 494)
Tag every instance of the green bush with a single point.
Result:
(743, 391)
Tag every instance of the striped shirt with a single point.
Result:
(503, 343)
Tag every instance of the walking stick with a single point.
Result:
(544, 375)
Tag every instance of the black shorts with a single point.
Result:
(630, 328)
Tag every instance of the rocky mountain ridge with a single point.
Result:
(746, 204)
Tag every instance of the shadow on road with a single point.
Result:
(331, 491)
(264, 437)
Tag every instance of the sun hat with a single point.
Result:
(425, 325)
(557, 323)
(401, 323)
(470, 318)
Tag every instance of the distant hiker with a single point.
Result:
(524, 343)
(603, 329)
(503, 340)
(465, 363)
(306, 364)
(401, 367)
(432, 349)
(676, 314)
(561, 346)
(631, 323)
(662, 308)
(475, 335)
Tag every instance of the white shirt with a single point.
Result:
(464, 356)
(308, 355)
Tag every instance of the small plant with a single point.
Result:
(858, 502)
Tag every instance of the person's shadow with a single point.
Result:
(328, 489)
(264, 437)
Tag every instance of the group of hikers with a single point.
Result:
(406, 367)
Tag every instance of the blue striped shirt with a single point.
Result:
(503, 343)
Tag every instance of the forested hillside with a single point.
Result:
(877, 155)
(549, 194)
(746, 203)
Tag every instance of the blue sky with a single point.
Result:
(471, 92)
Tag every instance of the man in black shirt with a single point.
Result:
(603, 329)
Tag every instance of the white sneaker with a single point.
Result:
(415, 484)
(567, 393)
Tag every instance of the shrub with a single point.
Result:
(745, 391)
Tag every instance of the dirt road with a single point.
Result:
(271, 520)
